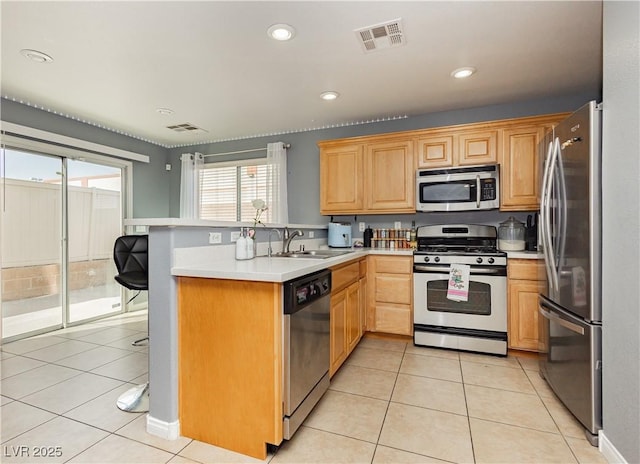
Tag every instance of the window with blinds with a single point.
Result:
(227, 190)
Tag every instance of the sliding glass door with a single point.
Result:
(94, 212)
(60, 218)
(32, 231)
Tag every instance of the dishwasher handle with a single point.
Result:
(303, 291)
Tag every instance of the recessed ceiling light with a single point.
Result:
(330, 95)
(281, 32)
(35, 55)
(461, 73)
(165, 111)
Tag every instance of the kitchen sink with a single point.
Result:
(318, 254)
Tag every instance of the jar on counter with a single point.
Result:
(511, 235)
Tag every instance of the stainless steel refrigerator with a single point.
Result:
(570, 308)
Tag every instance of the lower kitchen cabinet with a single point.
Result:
(390, 294)
(523, 287)
(346, 312)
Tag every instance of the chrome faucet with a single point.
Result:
(270, 250)
(288, 236)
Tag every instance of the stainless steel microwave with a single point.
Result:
(465, 188)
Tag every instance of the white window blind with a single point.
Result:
(227, 190)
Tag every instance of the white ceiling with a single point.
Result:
(212, 63)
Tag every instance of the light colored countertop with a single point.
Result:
(525, 255)
(274, 269)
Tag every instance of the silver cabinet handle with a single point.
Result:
(569, 325)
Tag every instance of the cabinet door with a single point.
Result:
(394, 318)
(353, 316)
(523, 314)
(519, 169)
(363, 306)
(479, 147)
(389, 177)
(338, 352)
(435, 152)
(341, 179)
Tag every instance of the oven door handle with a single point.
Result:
(492, 271)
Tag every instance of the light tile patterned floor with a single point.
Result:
(391, 402)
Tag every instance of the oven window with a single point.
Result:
(479, 302)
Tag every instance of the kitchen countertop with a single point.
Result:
(274, 269)
(524, 255)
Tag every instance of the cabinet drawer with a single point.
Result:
(393, 264)
(393, 289)
(392, 318)
(525, 269)
(344, 275)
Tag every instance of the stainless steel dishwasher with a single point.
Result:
(306, 346)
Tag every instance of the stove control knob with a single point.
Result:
(478, 260)
(426, 259)
(491, 260)
(437, 259)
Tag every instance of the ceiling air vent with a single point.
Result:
(186, 127)
(381, 36)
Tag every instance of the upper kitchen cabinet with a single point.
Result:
(477, 147)
(435, 151)
(520, 168)
(341, 179)
(389, 177)
(375, 176)
(520, 163)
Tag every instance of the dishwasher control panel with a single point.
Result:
(303, 291)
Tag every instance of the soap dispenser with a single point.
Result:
(241, 245)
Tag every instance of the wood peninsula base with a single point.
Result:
(230, 363)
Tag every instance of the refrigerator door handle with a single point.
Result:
(545, 220)
(564, 323)
(555, 285)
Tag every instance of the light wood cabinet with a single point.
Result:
(342, 179)
(376, 174)
(520, 169)
(389, 174)
(435, 151)
(346, 312)
(230, 329)
(338, 330)
(523, 288)
(390, 294)
(477, 147)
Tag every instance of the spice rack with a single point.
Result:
(392, 239)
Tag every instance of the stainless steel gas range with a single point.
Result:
(478, 320)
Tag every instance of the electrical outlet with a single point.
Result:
(312, 234)
(215, 237)
(397, 225)
(235, 235)
(361, 226)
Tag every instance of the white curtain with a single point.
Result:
(190, 185)
(277, 182)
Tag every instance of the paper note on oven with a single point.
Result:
(458, 289)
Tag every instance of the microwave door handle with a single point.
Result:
(477, 191)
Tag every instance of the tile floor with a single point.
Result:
(391, 402)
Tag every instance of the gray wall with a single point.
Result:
(621, 228)
(150, 180)
(303, 157)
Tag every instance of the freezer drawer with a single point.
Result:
(571, 363)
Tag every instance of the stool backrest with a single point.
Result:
(130, 253)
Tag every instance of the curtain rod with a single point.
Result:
(286, 145)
